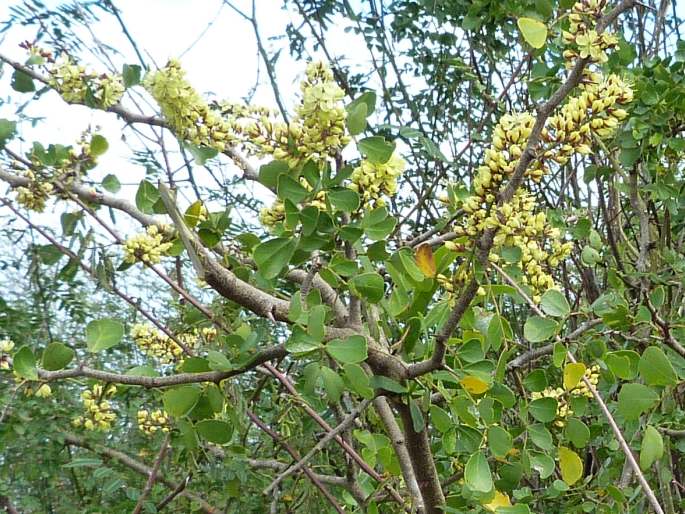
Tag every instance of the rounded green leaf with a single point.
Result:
(24, 364)
(554, 303)
(655, 368)
(344, 199)
(499, 441)
(543, 409)
(215, 431)
(369, 286)
(179, 402)
(533, 31)
(273, 255)
(103, 333)
(57, 356)
(652, 448)
(634, 399)
(577, 432)
(376, 149)
(538, 329)
(350, 351)
(477, 473)
(98, 145)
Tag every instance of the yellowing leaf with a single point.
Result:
(533, 31)
(500, 500)
(474, 385)
(573, 372)
(571, 465)
(425, 260)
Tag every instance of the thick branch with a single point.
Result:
(274, 352)
(418, 446)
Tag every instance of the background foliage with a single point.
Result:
(452, 390)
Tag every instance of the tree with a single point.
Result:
(447, 277)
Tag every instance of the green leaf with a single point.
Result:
(477, 473)
(634, 399)
(268, 173)
(131, 75)
(383, 382)
(570, 465)
(356, 118)
(554, 303)
(98, 145)
(499, 441)
(180, 401)
(218, 361)
(440, 419)
(652, 448)
(57, 356)
(146, 197)
(273, 255)
(111, 183)
(350, 351)
(543, 409)
(291, 189)
(215, 431)
(656, 369)
(24, 363)
(344, 199)
(8, 129)
(376, 149)
(417, 421)
(301, 343)
(103, 333)
(577, 432)
(22, 82)
(369, 286)
(332, 383)
(590, 256)
(358, 380)
(201, 154)
(538, 329)
(536, 380)
(533, 31)
(541, 437)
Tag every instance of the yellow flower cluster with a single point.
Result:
(563, 410)
(98, 410)
(582, 36)
(35, 194)
(76, 85)
(596, 111)
(151, 422)
(146, 247)
(6, 346)
(322, 114)
(270, 216)
(318, 130)
(157, 344)
(373, 181)
(592, 376)
(44, 391)
(189, 116)
(517, 225)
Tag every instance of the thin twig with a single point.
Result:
(153, 474)
(349, 419)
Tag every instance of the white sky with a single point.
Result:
(221, 59)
